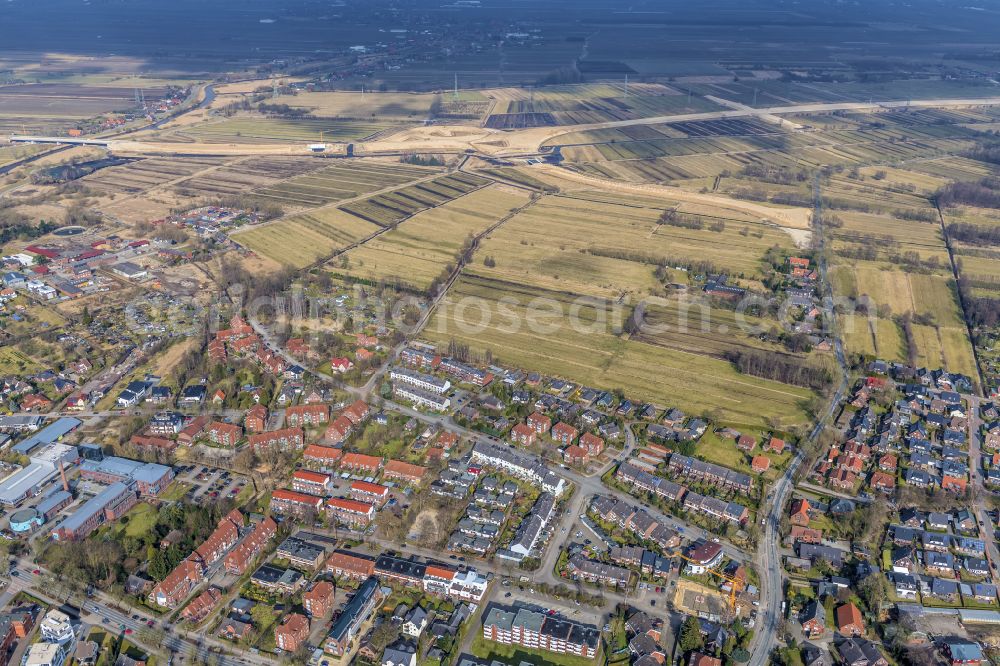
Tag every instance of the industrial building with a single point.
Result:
(48, 435)
(29, 480)
(110, 504)
(150, 478)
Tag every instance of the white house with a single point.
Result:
(416, 622)
(56, 627)
(46, 654)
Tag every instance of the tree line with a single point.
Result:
(776, 367)
(984, 193)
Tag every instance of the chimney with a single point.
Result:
(62, 475)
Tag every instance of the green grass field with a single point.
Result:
(13, 362)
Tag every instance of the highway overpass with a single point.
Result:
(19, 138)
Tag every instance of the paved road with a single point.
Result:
(979, 491)
(93, 610)
(768, 557)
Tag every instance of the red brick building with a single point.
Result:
(292, 632)
(319, 600)
(224, 434)
(307, 415)
(255, 419)
(286, 438)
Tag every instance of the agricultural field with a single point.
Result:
(565, 243)
(418, 250)
(303, 239)
(261, 129)
(385, 105)
(781, 93)
(393, 207)
(245, 174)
(142, 175)
(874, 337)
(690, 323)
(897, 268)
(592, 103)
(579, 255)
(696, 150)
(589, 351)
(67, 100)
(343, 179)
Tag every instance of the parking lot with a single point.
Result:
(210, 482)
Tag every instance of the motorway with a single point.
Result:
(523, 143)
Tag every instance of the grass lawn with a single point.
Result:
(514, 654)
(140, 520)
(175, 491)
(14, 362)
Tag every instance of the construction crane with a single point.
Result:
(735, 585)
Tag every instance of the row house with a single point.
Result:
(312, 483)
(710, 473)
(420, 358)
(224, 434)
(597, 572)
(405, 472)
(202, 605)
(324, 457)
(361, 463)
(465, 373)
(294, 503)
(537, 631)
(239, 558)
(178, 584)
(371, 493)
(307, 415)
(419, 380)
(342, 564)
(517, 464)
(224, 537)
(716, 508)
(350, 512)
(286, 438)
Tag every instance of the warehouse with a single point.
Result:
(28, 481)
(50, 434)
